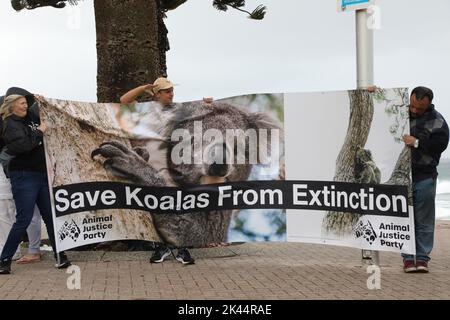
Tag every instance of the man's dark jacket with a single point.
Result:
(432, 131)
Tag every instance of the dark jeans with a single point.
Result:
(424, 193)
(29, 188)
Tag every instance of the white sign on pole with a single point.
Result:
(351, 5)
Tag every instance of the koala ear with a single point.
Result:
(261, 120)
(266, 149)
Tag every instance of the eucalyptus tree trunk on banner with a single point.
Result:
(131, 45)
(361, 115)
(75, 165)
(402, 172)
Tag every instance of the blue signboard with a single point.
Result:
(350, 2)
(348, 5)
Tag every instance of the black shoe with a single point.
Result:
(5, 266)
(64, 262)
(160, 254)
(185, 257)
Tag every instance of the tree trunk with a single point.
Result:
(402, 172)
(131, 45)
(361, 115)
(82, 130)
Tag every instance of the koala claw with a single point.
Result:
(111, 149)
(120, 160)
(142, 152)
(95, 152)
(118, 171)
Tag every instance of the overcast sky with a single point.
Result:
(300, 46)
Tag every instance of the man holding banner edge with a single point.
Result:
(429, 138)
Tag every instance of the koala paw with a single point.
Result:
(121, 160)
(142, 152)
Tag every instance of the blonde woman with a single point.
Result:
(7, 207)
(23, 138)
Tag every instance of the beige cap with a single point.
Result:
(162, 84)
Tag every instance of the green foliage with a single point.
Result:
(257, 14)
(166, 5)
(33, 4)
(17, 5)
(396, 107)
(379, 95)
(222, 5)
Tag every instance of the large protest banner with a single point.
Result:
(196, 174)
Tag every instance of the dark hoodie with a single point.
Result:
(14, 90)
(24, 141)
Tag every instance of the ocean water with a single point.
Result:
(443, 190)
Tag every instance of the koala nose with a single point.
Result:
(218, 161)
(218, 170)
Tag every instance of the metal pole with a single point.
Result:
(365, 78)
(364, 51)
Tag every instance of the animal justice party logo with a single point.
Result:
(366, 231)
(69, 230)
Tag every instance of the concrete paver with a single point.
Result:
(245, 271)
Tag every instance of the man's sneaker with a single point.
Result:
(160, 254)
(422, 266)
(64, 262)
(185, 257)
(5, 266)
(409, 266)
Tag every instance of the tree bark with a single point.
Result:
(131, 45)
(402, 172)
(361, 115)
(75, 129)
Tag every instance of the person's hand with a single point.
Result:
(409, 140)
(148, 88)
(208, 100)
(42, 127)
(39, 98)
(372, 89)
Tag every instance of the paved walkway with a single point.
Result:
(246, 271)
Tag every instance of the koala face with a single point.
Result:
(363, 155)
(216, 140)
(196, 144)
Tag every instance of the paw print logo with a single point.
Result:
(69, 229)
(365, 230)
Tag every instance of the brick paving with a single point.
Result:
(245, 271)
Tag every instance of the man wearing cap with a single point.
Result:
(162, 91)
